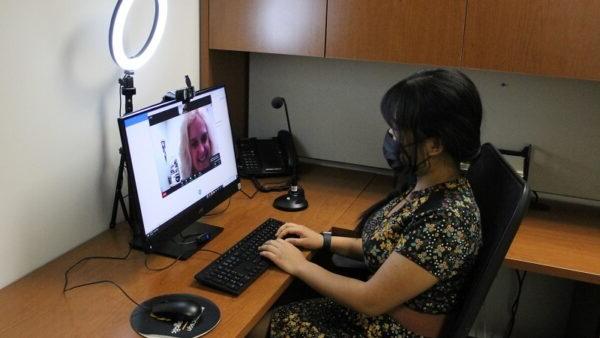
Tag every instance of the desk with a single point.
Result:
(35, 304)
(563, 242)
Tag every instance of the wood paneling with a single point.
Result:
(294, 27)
(545, 37)
(225, 68)
(407, 31)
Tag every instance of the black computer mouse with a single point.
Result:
(176, 310)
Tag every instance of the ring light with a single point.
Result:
(117, 28)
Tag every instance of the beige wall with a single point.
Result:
(59, 106)
(334, 107)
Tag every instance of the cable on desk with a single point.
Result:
(193, 242)
(89, 258)
(249, 196)
(175, 260)
(222, 211)
(104, 281)
(208, 250)
(65, 288)
(515, 306)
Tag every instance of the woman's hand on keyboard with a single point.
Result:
(300, 236)
(283, 254)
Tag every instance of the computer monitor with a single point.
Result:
(181, 164)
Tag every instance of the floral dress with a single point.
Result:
(439, 229)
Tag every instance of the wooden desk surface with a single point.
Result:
(35, 305)
(563, 242)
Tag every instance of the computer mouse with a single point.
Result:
(176, 310)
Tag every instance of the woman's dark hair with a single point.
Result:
(438, 103)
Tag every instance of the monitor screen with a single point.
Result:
(181, 160)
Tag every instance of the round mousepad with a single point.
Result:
(147, 326)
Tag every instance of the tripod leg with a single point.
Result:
(118, 194)
(125, 213)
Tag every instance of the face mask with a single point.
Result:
(403, 176)
(391, 151)
(404, 163)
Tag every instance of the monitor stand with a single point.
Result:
(183, 245)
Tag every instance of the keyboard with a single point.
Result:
(241, 265)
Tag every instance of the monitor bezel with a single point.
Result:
(186, 217)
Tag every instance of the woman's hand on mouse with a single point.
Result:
(286, 256)
(306, 237)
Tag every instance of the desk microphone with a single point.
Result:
(294, 200)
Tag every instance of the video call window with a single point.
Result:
(183, 144)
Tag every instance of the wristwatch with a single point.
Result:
(326, 241)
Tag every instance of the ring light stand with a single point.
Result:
(129, 64)
(140, 319)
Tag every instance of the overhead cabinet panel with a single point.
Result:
(407, 31)
(295, 27)
(544, 37)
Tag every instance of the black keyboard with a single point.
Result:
(241, 265)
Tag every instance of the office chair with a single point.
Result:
(503, 198)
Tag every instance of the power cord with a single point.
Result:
(222, 211)
(249, 196)
(66, 289)
(89, 258)
(193, 241)
(106, 281)
(175, 260)
(515, 305)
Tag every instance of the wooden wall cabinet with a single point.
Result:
(295, 27)
(407, 31)
(544, 37)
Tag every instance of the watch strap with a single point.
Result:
(326, 241)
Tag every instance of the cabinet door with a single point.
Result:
(546, 37)
(408, 31)
(268, 26)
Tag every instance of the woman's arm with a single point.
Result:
(310, 239)
(396, 281)
(347, 246)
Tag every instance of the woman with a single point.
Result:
(419, 244)
(196, 144)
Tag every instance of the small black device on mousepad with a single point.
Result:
(146, 325)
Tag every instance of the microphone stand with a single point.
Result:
(294, 200)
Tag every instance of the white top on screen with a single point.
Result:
(180, 153)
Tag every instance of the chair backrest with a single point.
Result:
(503, 198)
